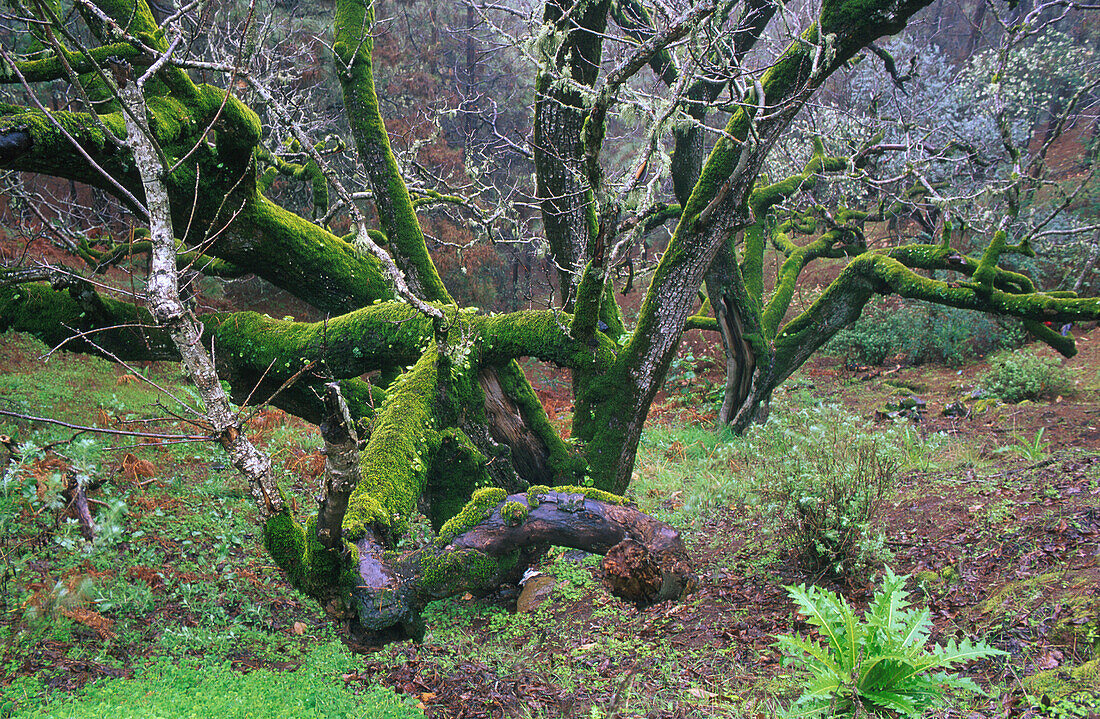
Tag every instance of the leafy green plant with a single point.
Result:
(1033, 450)
(915, 451)
(192, 690)
(822, 486)
(865, 342)
(686, 380)
(879, 666)
(1016, 376)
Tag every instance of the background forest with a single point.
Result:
(913, 531)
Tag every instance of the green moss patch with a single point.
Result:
(1062, 693)
(480, 507)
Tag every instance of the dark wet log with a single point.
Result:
(494, 541)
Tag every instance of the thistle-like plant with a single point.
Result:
(878, 666)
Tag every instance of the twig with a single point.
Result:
(84, 428)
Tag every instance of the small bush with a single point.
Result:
(867, 341)
(876, 667)
(923, 333)
(822, 484)
(1016, 376)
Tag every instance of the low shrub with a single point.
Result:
(921, 333)
(822, 484)
(1016, 376)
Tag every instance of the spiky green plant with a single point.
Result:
(878, 666)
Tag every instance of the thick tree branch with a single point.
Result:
(352, 48)
(494, 537)
(889, 273)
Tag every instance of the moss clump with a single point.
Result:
(514, 513)
(598, 495)
(1078, 621)
(285, 541)
(480, 506)
(533, 494)
(311, 568)
(1072, 693)
(928, 578)
(443, 574)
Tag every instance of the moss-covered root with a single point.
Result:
(327, 575)
(496, 535)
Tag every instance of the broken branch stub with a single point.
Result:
(76, 498)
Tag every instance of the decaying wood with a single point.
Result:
(646, 561)
(76, 499)
(507, 426)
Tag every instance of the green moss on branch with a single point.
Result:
(459, 468)
(353, 47)
(401, 449)
(477, 510)
(57, 316)
(311, 568)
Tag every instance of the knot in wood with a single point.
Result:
(228, 436)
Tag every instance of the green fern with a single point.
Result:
(880, 665)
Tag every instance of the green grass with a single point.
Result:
(80, 384)
(190, 689)
(177, 578)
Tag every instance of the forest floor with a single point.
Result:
(995, 517)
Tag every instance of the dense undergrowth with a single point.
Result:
(174, 609)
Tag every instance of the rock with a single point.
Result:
(956, 409)
(909, 407)
(984, 405)
(536, 591)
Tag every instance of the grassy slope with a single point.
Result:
(176, 586)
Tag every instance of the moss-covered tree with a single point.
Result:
(450, 423)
